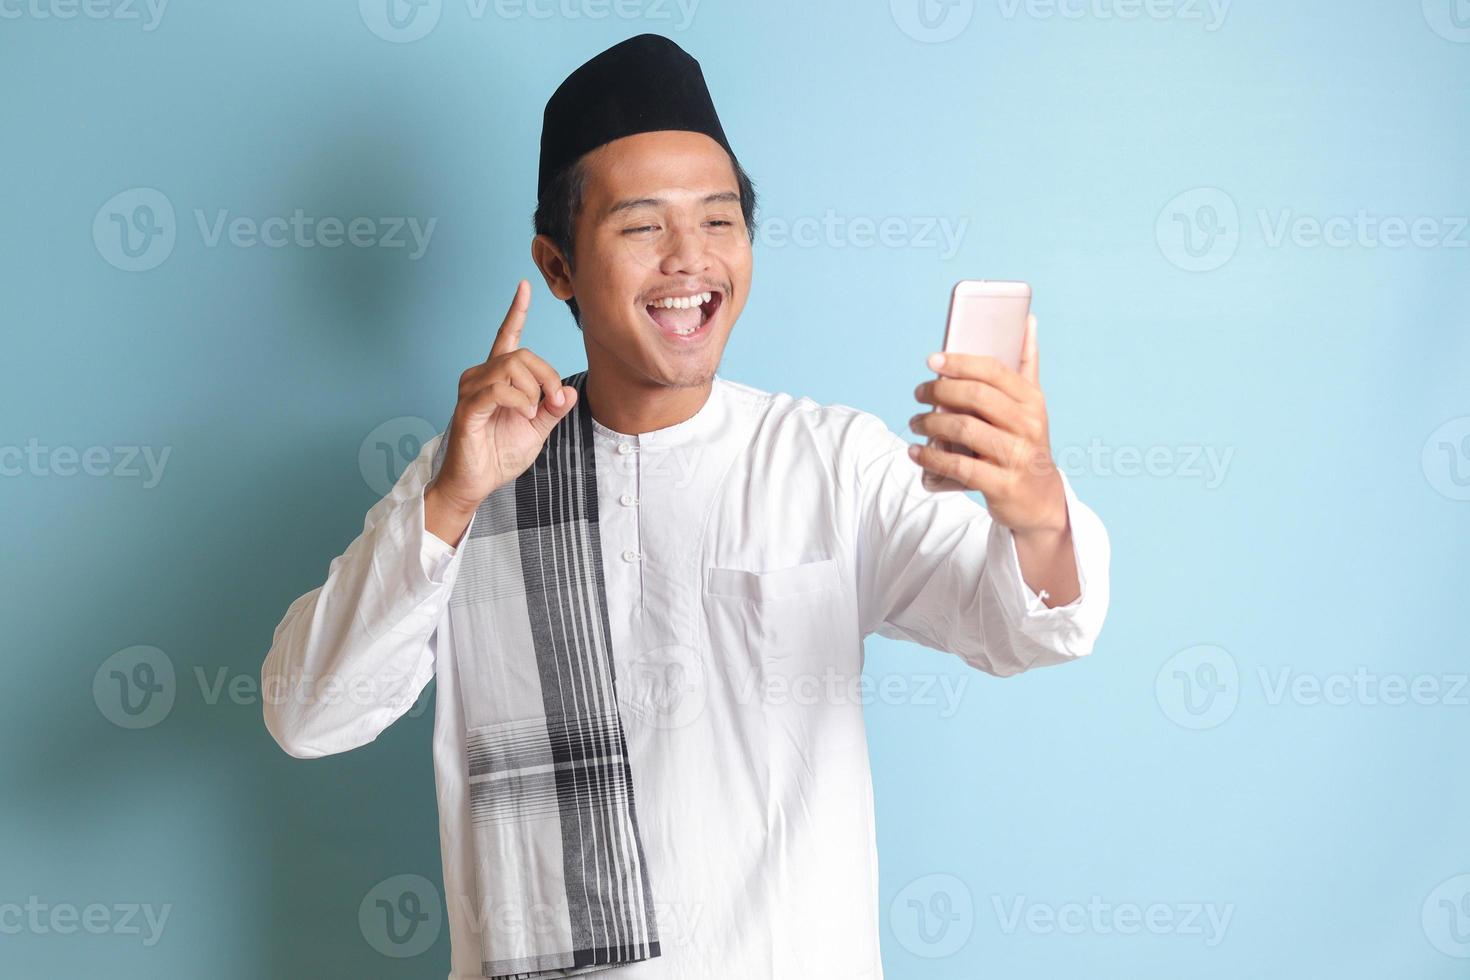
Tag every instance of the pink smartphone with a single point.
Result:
(985, 317)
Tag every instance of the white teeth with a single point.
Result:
(682, 302)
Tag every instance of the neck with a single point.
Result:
(634, 406)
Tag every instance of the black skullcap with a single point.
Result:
(640, 85)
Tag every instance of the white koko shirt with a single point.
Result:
(747, 552)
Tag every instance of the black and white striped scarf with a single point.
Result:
(561, 880)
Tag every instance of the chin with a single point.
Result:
(684, 375)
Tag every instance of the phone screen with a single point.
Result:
(984, 318)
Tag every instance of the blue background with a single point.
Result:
(1334, 377)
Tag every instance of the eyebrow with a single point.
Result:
(722, 197)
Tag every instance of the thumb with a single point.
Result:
(548, 415)
(1030, 358)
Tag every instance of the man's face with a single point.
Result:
(660, 219)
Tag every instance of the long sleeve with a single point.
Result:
(351, 656)
(935, 569)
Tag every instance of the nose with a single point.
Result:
(686, 249)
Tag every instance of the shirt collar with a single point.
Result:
(711, 417)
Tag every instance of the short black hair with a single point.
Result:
(556, 213)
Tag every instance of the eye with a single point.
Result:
(634, 231)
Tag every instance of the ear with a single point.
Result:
(554, 267)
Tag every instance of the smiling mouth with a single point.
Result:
(686, 318)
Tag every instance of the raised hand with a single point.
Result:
(1000, 416)
(500, 423)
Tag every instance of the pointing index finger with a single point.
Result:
(508, 337)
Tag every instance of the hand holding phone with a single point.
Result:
(985, 317)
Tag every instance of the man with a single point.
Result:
(643, 593)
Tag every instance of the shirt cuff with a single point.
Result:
(1088, 546)
(436, 554)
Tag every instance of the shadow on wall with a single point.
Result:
(305, 841)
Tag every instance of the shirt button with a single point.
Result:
(624, 448)
(628, 499)
(630, 555)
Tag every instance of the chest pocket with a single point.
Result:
(786, 618)
(773, 585)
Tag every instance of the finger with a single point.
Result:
(546, 376)
(974, 398)
(1030, 359)
(983, 367)
(954, 429)
(975, 473)
(508, 337)
(548, 415)
(525, 382)
(498, 394)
